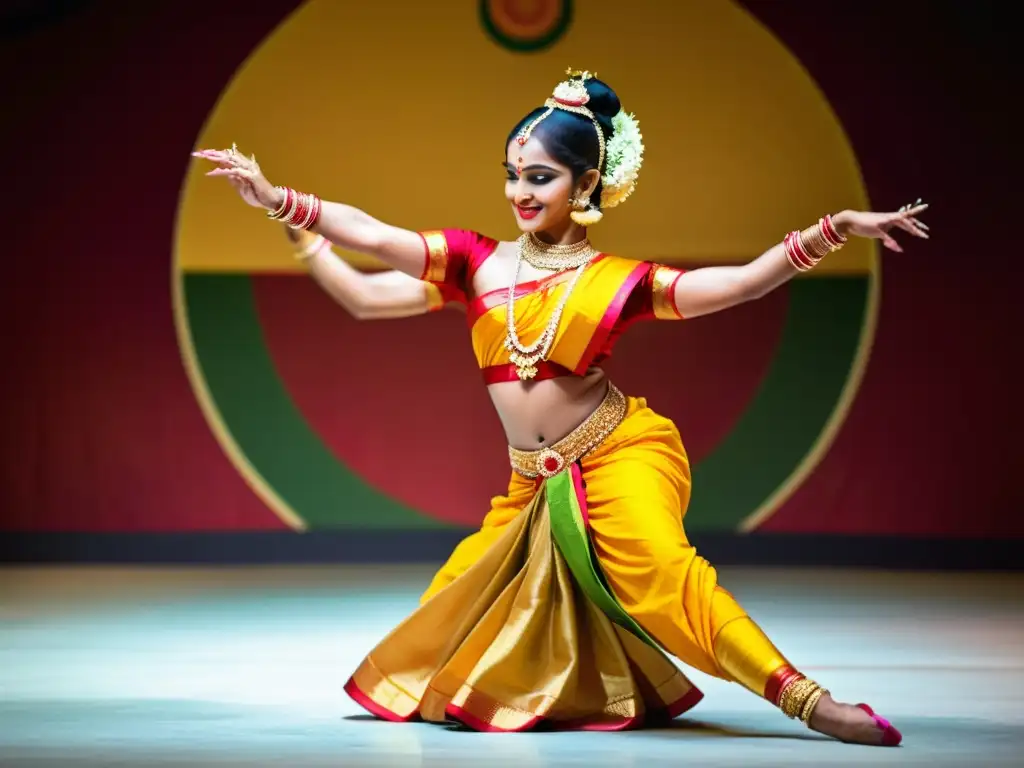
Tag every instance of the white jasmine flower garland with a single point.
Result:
(625, 156)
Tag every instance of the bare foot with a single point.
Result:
(852, 724)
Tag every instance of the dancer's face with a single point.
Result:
(538, 187)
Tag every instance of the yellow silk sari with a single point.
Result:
(562, 609)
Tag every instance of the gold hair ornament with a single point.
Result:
(619, 158)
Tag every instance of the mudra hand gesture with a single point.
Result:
(245, 176)
(878, 226)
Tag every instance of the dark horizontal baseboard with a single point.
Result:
(362, 546)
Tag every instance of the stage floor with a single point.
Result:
(244, 666)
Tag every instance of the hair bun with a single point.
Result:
(604, 103)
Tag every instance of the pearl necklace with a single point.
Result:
(525, 357)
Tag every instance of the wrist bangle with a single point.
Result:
(831, 233)
(805, 249)
(311, 250)
(300, 210)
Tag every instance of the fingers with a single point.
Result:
(907, 219)
(226, 157)
(233, 173)
(211, 154)
(914, 209)
(908, 225)
(214, 156)
(891, 244)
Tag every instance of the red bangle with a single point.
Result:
(300, 210)
(809, 257)
(795, 253)
(830, 233)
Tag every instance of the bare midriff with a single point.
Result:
(538, 414)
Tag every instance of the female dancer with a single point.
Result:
(561, 610)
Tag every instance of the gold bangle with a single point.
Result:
(795, 696)
(308, 252)
(276, 214)
(290, 208)
(814, 244)
(812, 702)
(792, 247)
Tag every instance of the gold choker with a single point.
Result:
(559, 258)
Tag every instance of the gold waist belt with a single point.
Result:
(548, 462)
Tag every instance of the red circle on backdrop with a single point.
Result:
(403, 405)
(527, 12)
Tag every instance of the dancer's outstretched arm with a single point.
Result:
(365, 296)
(711, 289)
(344, 225)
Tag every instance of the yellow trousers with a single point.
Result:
(638, 489)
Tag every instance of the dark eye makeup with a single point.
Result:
(534, 175)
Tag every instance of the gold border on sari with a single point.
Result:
(384, 692)
(436, 263)
(435, 300)
(470, 652)
(663, 300)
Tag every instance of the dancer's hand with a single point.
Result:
(245, 176)
(879, 225)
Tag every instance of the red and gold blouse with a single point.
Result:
(612, 294)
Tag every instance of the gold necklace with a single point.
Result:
(525, 357)
(559, 258)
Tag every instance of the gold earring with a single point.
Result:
(583, 214)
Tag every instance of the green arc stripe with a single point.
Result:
(264, 421)
(820, 341)
(805, 381)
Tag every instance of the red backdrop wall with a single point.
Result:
(101, 428)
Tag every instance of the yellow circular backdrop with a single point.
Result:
(402, 108)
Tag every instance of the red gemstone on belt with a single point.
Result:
(550, 462)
